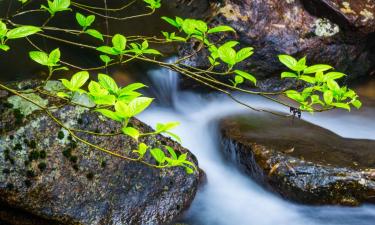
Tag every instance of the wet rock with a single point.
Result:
(357, 14)
(49, 177)
(275, 27)
(300, 161)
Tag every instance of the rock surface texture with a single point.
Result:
(300, 161)
(47, 174)
(341, 38)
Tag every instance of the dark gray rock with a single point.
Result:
(70, 183)
(300, 161)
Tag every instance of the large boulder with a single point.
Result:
(48, 177)
(275, 27)
(300, 161)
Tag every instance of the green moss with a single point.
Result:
(32, 144)
(18, 146)
(34, 155)
(67, 153)
(43, 154)
(60, 135)
(42, 166)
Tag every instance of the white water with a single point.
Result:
(229, 197)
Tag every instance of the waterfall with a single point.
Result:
(230, 197)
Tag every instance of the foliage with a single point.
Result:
(318, 86)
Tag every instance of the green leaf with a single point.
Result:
(79, 79)
(104, 100)
(244, 54)
(96, 89)
(160, 128)
(3, 29)
(139, 104)
(123, 109)
(288, 75)
(39, 57)
(342, 105)
(189, 26)
(119, 42)
(54, 57)
(171, 21)
(227, 55)
(132, 132)
(95, 34)
(21, 32)
(107, 50)
(328, 97)
(108, 83)
(105, 58)
(175, 136)
(356, 103)
(158, 155)
(4, 47)
(130, 88)
(142, 149)
(333, 85)
(247, 76)
(221, 29)
(110, 114)
(171, 152)
(317, 68)
(308, 79)
(63, 95)
(333, 75)
(288, 61)
(81, 19)
(89, 20)
(238, 80)
(67, 84)
(295, 95)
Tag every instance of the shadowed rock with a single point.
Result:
(300, 161)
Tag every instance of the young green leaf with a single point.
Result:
(227, 55)
(221, 29)
(105, 58)
(123, 110)
(139, 104)
(247, 76)
(132, 132)
(158, 155)
(39, 57)
(288, 75)
(288, 61)
(79, 79)
(328, 97)
(94, 33)
(22, 31)
(317, 68)
(119, 42)
(171, 152)
(244, 54)
(110, 114)
(108, 83)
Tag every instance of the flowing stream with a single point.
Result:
(230, 197)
